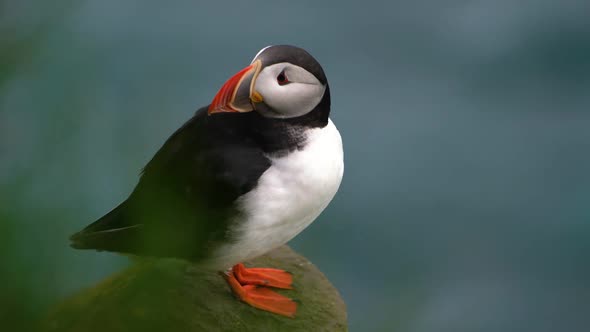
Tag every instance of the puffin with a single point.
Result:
(243, 176)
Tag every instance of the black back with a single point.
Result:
(183, 203)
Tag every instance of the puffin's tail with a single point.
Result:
(112, 232)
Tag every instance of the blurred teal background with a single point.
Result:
(466, 124)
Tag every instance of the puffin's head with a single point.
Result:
(282, 81)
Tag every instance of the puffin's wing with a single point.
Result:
(184, 199)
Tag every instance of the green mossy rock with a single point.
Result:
(172, 295)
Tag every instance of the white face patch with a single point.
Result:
(297, 97)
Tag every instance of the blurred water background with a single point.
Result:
(465, 202)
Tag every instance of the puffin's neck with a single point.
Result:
(280, 136)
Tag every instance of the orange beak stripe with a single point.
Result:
(224, 99)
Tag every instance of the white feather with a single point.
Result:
(291, 100)
(290, 195)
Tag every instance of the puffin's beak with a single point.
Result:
(237, 94)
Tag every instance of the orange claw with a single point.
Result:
(263, 276)
(262, 298)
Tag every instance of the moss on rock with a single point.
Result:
(172, 295)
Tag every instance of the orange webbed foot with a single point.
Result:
(261, 297)
(263, 276)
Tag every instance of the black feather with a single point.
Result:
(183, 202)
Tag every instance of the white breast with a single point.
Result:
(289, 196)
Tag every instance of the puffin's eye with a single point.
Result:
(282, 78)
